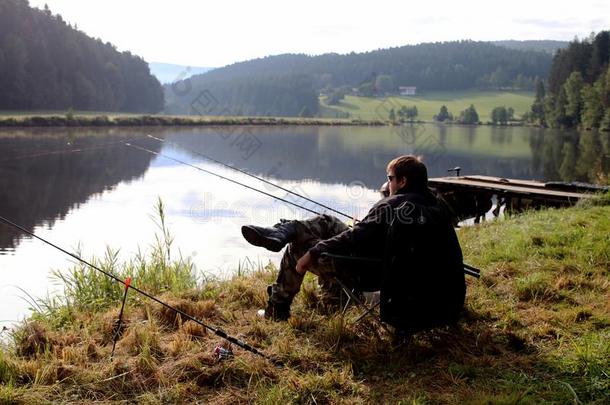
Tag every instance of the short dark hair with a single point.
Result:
(412, 168)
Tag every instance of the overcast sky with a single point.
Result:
(217, 33)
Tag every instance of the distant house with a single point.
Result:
(407, 90)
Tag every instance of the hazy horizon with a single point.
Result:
(192, 33)
(342, 53)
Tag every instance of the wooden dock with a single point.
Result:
(529, 189)
(472, 196)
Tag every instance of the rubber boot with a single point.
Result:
(275, 311)
(273, 239)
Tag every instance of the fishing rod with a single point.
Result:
(217, 331)
(203, 155)
(221, 176)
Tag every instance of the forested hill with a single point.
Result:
(578, 87)
(47, 64)
(548, 46)
(285, 84)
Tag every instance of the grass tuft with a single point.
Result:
(534, 287)
(204, 310)
(32, 339)
(142, 338)
(8, 370)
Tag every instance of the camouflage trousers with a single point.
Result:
(309, 233)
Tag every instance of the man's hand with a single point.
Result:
(304, 263)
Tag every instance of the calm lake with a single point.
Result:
(84, 189)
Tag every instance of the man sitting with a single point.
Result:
(421, 279)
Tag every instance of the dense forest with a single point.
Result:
(47, 64)
(544, 45)
(577, 93)
(290, 84)
(259, 94)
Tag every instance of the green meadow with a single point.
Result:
(429, 103)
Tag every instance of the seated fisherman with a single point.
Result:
(411, 229)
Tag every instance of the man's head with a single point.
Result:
(407, 171)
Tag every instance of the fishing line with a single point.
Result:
(217, 331)
(128, 143)
(60, 152)
(222, 177)
(203, 155)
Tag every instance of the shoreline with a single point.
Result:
(53, 120)
(56, 120)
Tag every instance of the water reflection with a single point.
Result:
(571, 156)
(43, 175)
(345, 155)
(105, 196)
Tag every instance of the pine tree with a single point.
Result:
(538, 106)
(600, 54)
(593, 109)
(573, 91)
(499, 115)
(443, 114)
(469, 116)
(555, 109)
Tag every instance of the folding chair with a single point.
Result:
(361, 267)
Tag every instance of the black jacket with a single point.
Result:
(368, 237)
(422, 276)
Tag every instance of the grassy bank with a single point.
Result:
(536, 328)
(127, 120)
(429, 104)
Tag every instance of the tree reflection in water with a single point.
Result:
(41, 180)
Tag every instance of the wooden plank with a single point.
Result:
(503, 188)
(500, 180)
(559, 186)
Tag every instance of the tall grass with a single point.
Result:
(8, 370)
(88, 289)
(586, 360)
